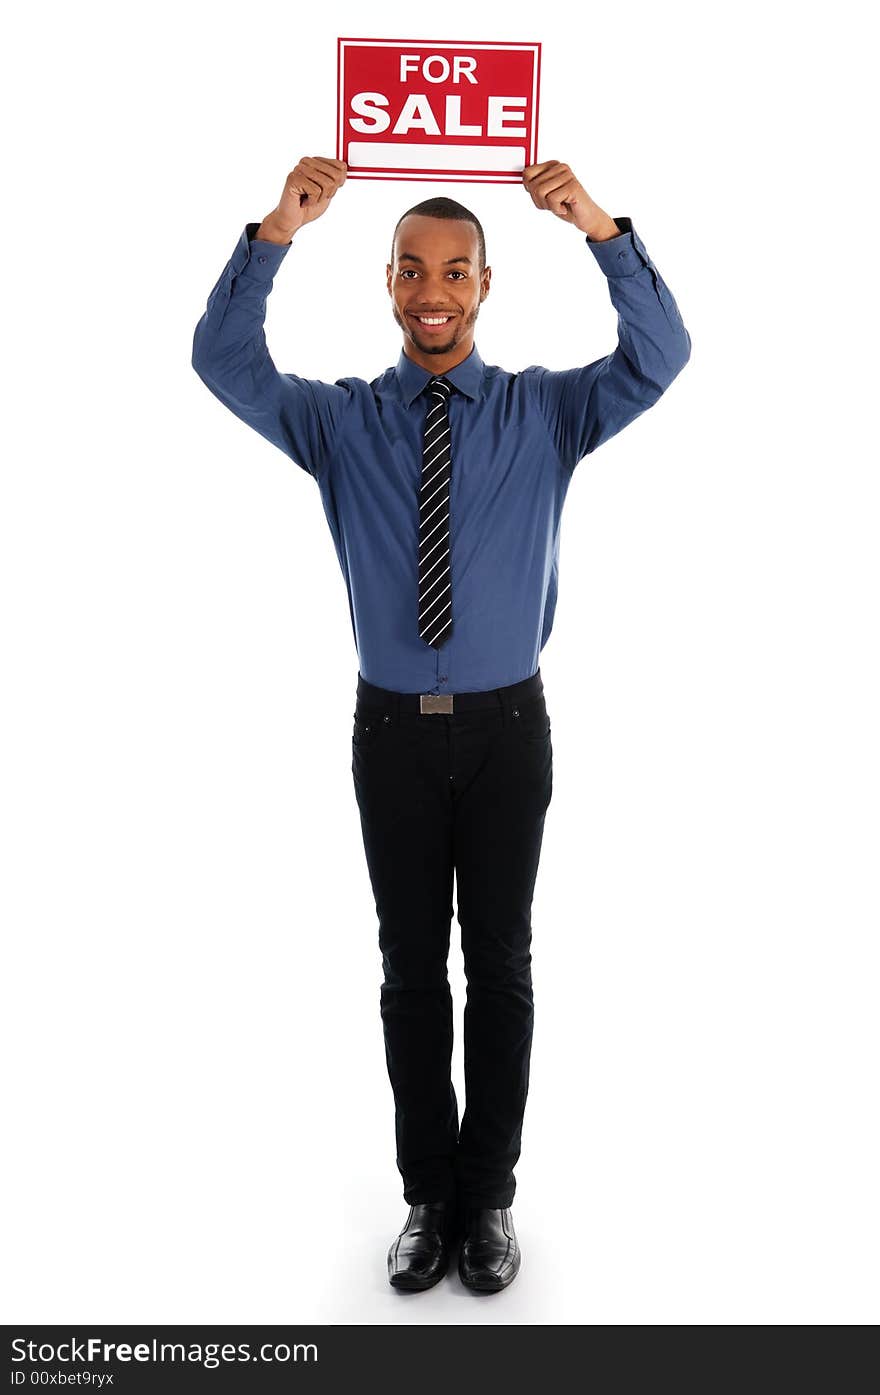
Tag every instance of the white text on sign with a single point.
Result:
(417, 112)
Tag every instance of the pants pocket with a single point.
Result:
(366, 729)
(530, 720)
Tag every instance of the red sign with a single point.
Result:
(416, 109)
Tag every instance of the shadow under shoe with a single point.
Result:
(419, 1257)
(489, 1257)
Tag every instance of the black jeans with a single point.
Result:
(467, 792)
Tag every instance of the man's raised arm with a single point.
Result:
(585, 406)
(299, 415)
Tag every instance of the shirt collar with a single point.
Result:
(466, 376)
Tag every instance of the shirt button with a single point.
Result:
(263, 259)
(443, 677)
(620, 254)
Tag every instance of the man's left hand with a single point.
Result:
(553, 186)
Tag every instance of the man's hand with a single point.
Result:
(307, 194)
(552, 185)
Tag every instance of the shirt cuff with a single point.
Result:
(261, 258)
(620, 256)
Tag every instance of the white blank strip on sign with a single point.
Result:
(436, 157)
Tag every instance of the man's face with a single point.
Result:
(436, 274)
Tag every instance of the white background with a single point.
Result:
(200, 1125)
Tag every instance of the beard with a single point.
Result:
(460, 327)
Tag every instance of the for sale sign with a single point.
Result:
(413, 109)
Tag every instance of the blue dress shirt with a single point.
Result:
(515, 440)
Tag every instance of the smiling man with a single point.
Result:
(429, 248)
(443, 482)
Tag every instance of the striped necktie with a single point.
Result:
(435, 581)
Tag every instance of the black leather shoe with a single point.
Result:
(489, 1257)
(419, 1256)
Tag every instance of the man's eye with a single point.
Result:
(407, 271)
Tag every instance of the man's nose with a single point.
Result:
(434, 288)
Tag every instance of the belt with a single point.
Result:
(369, 695)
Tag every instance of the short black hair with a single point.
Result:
(441, 207)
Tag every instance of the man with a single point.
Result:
(443, 482)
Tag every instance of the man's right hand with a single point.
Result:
(307, 194)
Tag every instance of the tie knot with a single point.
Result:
(439, 387)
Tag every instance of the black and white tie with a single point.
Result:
(435, 581)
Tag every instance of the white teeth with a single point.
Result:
(436, 320)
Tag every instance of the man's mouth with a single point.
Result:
(433, 323)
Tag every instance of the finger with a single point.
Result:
(531, 171)
(544, 183)
(310, 187)
(333, 169)
(327, 184)
(557, 192)
(329, 160)
(554, 189)
(543, 173)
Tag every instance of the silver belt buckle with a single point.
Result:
(435, 702)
